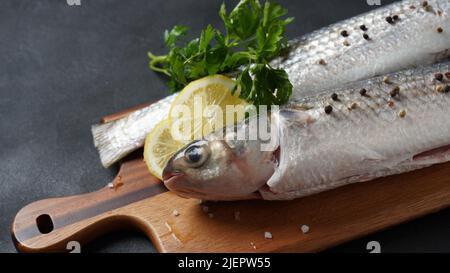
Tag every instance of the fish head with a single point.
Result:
(219, 170)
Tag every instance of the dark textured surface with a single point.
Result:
(63, 67)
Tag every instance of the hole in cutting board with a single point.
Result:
(44, 223)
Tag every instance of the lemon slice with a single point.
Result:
(161, 143)
(201, 107)
(159, 147)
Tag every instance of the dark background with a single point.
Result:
(63, 67)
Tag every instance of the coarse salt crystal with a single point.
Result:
(168, 226)
(305, 228)
(268, 235)
(111, 185)
(237, 215)
(175, 213)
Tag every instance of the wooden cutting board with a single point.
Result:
(173, 224)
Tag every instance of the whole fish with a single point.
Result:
(365, 130)
(397, 36)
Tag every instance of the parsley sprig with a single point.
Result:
(254, 35)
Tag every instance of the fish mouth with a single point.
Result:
(174, 182)
(169, 175)
(169, 171)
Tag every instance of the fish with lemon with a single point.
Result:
(202, 107)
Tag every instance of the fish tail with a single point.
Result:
(104, 143)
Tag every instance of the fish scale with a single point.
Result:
(356, 145)
(361, 56)
(411, 41)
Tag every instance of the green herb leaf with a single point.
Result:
(206, 38)
(243, 20)
(254, 35)
(270, 32)
(264, 85)
(172, 36)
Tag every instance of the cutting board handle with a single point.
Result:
(64, 224)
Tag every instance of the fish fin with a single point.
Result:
(434, 156)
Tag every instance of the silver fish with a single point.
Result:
(397, 36)
(355, 133)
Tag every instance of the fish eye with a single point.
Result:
(193, 154)
(196, 155)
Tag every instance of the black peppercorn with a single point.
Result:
(439, 76)
(389, 20)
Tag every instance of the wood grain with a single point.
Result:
(140, 201)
